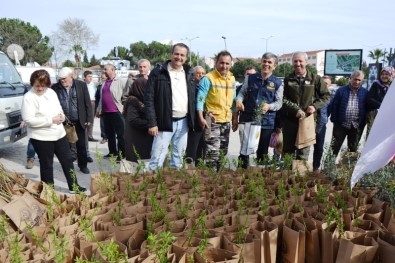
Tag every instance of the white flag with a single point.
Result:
(380, 145)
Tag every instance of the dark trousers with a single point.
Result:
(195, 146)
(102, 129)
(46, 150)
(263, 149)
(290, 130)
(339, 135)
(319, 147)
(114, 126)
(81, 145)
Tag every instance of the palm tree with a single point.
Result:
(376, 54)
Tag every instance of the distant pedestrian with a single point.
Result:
(103, 135)
(88, 79)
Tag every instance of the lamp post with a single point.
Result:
(225, 42)
(190, 48)
(267, 40)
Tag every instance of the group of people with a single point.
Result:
(182, 109)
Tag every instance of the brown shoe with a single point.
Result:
(103, 141)
(29, 163)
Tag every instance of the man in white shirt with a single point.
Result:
(88, 76)
(170, 107)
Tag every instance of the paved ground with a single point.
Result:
(14, 159)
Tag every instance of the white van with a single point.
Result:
(26, 71)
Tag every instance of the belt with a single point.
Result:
(177, 119)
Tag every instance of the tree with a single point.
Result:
(342, 81)
(155, 52)
(239, 68)
(74, 36)
(376, 54)
(283, 70)
(85, 60)
(68, 63)
(311, 69)
(29, 37)
(94, 61)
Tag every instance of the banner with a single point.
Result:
(380, 145)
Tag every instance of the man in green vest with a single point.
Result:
(215, 100)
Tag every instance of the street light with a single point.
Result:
(225, 42)
(190, 48)
(267, 39)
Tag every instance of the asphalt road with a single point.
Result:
(13, 158)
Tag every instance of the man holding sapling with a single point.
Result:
(259, 99)
(304, 94)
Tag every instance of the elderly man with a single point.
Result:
(261, 92)
(304, 94)
(349, 113)
(76, 104)
(170, 107)
(216, 95)
(144, 68)
(196, 146)
(110, 108)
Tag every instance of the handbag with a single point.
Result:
(71, 134)
(251, 135)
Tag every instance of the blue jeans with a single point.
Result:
(178, 138)
(30, 153)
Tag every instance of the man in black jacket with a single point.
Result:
(170, 107)
(75, 101)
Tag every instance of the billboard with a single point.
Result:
(342, 62)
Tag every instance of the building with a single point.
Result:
(314, 58)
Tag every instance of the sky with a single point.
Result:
(295, 25)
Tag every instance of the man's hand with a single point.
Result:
(310, 110)
(239, 106)
(266, 107)
(202, 123)
(153, 131)
(235, 125)
(300, 114)
(97, 114)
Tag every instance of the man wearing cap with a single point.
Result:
(110, 108)
(348, 113)
(76, 104)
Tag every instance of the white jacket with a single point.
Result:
(38, 111)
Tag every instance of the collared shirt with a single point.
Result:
(352, 111)
(179, 92)
(91, 89)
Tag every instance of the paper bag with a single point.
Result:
(265, 242)
(386, 242)
(361, 249)
(294, 238)
(306, 132)
(251, 135)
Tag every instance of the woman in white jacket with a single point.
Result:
(44, 116)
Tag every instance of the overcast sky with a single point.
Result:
(294, 24)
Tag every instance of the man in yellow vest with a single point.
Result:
(215, 100)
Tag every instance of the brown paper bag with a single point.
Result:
(329, 242)
(306, 132)
(24, 210)
(386, 243)
(313, 252)
(216, 255)
(294, 239)
(265, 242)
(361, 249)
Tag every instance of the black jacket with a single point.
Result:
(85, 113)
(158, 97)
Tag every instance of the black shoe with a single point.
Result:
(73, 159)
(85, 170)
(79, 189)
(107, 156)
(89, 159)
(92, 140)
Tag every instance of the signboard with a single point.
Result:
(342, 62)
